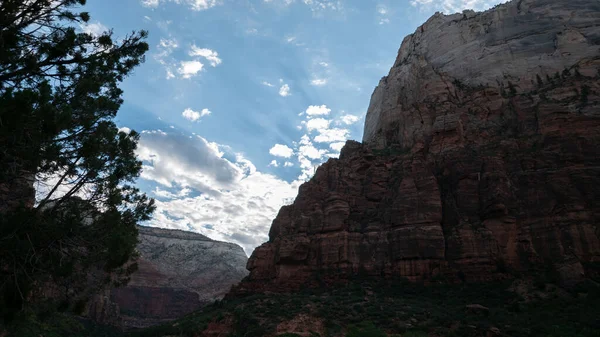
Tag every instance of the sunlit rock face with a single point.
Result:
(178, 272)
(480, 157)
(445, 87)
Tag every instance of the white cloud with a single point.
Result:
(324, 64)
(150, 3)
(168, 45)
(267, 84)
(317, 110)
(337, 146)
(284, 90)
(188, 69)
(332, 135)
(165, 49)
(349, 119)
(454, 6)
(202, 169)
(185, 69)
(193, 116)
(210, 55)
(227, 200)
(168, 195)
(310, 151)
(383, 14)
(274, 163)
(197, 5)
(319, 81)
(125, 129)
(317, 124)
(200, 5)
(288, 164)
(280, 150)
(94, 29)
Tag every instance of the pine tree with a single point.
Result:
(59, 95)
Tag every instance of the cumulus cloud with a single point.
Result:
(349, 119)
(332, 135)
(188, 69)
(210, 55)
(288, 164)
(309, 151)
(317, 124)
(314, 147)
(284, 90)
(193, 116)
(317, 110)
(267, 84)
(200, 190)
(280, 150)
(274, 163)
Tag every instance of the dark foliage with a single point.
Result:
(59, 95)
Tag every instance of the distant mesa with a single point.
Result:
(178, 272)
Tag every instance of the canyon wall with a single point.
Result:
(480, 159)
(178, 272)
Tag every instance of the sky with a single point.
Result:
(239, 101)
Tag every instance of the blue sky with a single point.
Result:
(239, 100)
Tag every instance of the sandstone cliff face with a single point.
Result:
(480, 157)
(178, 272)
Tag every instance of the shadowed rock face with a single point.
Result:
(178, 272)
(480, 156)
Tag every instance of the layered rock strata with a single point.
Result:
(480, 158)
(178, 272)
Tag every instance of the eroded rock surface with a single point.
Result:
(178, 272)
(480, 157)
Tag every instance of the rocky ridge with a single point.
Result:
(178, 272)
(480, 159)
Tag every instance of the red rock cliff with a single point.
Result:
(480, 156)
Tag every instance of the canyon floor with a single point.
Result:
(363, 307)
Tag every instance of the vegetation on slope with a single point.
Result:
(371, 308)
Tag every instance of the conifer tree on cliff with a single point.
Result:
(59, 95)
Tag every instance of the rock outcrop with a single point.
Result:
(178, 272)
(480, 157)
